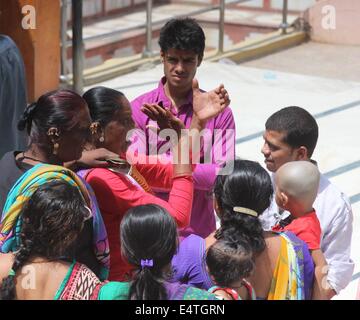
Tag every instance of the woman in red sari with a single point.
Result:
(118, 190)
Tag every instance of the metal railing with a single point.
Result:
(63, 28)
(284, 25)
(148, 48)
(148, 29)
(78, 47)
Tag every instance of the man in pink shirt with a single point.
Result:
(182, 44)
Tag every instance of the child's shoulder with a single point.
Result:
(304, 222)
(193, 293)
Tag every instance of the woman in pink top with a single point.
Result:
(117, 190)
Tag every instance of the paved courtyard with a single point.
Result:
(260, 88)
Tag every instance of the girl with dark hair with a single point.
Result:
(229, 262)
(52, 219)
(117, 189)
(58, 128)
(149, 241)
(248, 186)
(240, 198)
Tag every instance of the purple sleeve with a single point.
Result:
(223, 150)
(204, 176)
(138, 137)
(138, 117)
(189, 263)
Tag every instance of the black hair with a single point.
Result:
(229, 260)
(248, 186)
(182, 34)
(148, 232)
(103, 103)
(57, 108)
(52, 219)
(299, 126)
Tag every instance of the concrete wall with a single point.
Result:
(335, 21)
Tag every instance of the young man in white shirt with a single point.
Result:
(291, 134)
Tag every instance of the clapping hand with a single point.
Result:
(207, 105)
(164, 118)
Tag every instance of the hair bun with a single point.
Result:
(25, 121)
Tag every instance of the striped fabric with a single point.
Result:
(22, 190)
(288, 279)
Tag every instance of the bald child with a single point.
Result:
(297, 184)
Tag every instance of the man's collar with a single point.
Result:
(161, 93)
(165, 99)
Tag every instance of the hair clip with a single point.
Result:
(147, 263)
(12, 273)
(246, 211)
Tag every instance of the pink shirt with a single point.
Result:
(219, 146)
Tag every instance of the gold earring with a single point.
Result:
(55, 148)
(54, 135)
(94, 127)
(53, 132)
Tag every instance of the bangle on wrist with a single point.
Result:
(182, 174)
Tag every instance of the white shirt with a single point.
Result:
(335, 215)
